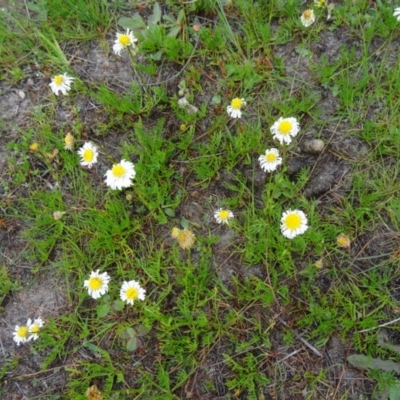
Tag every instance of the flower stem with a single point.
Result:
(284, 154)
(137, 72)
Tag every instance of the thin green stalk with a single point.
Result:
(137, 72)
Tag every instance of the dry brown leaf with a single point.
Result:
(93, 393)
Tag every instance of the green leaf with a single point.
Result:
(40, 8)
(105, 299)
(216, 99)
(131, 332)
(134, 23)
(155, 18)
(174, 32)
(118, 305)
(161, 218)
(394, 391)
(141, 330)
(124, 335)
(156, 56)
(364, 362)
(181, 15)
(170, 19)
(184, 223)
(383, 342)
(170, 212)
(131, 345)
(103, 310)
(276, 193)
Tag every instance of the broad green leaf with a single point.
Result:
(181, 15)
(141, 330)
(173, 32)
(155, 18)
(184, 223)
(216, 99)
(383, 342)
(394, 391)
(169, 18)
(156, 56)
(118, 305)
(103, 310)
(131, 345)
(134, 23)
(364, 362)
(170, 212)
(131, 332)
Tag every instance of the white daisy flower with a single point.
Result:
(123, 41)
(34, 328)
(293, 223)
(21, 333)
(88, 153)
(131, 291)
(307, 18)
(270, 160)
(397, 13)
(120, 175)
(97, 284)
(222, 216)
(61, 83)
(284, 129)
(234, 109)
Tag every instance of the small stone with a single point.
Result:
(313, 146)
(21, 94)
(183, 103)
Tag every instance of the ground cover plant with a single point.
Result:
(199, 200)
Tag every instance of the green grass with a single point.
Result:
(217, 306)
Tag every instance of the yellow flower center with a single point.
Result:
(319, 264)
(124, 40)
(69, 139)
(118, 171)
(95, 283)
(223, 214)
(132, 293)
(35, 328)
(88, 155)
(183, 236)
(270, 157)
(59, 80)
(293, 221)
(285, 127)
(236, 103)
(186, 239)
(343, 241)
(307, 14)
(22, 331)
(175, 232)
(34, 147)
